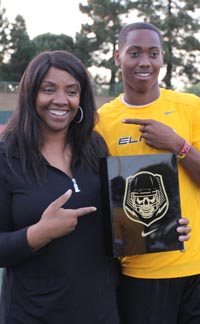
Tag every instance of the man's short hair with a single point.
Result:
(134, 26)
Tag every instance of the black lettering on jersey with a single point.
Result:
(128, 140)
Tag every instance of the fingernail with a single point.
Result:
(93, 208)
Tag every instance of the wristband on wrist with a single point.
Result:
(184, 150)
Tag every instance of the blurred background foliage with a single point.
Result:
(95, 43)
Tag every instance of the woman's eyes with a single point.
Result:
(52, 90)
(72, 92)
(48, 90)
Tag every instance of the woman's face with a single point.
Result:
(57, 100)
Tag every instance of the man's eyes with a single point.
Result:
(154, 54)
(137, 54)
(134, 54)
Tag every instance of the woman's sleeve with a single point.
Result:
(14, 247)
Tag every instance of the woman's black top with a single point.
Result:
(69, 281)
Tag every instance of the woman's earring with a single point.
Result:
(81, 117)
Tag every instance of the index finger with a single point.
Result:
(84, 210)
(135, 121)
(60, 201)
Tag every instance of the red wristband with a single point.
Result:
(184, 150)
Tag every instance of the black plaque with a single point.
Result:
(141, 203)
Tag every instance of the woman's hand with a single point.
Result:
(55, 222)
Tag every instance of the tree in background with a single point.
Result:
(81, 49)
(49, 41)
(4, 37)
(175, 18)
(195, 89)
(21, 50)
(179, 23)
(100, 36)
(178, 20)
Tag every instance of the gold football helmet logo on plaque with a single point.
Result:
(145, 199)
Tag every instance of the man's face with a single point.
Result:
(140, 59)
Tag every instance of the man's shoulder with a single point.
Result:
(184, 98)
(110, 106)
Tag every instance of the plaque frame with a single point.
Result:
(140, 204)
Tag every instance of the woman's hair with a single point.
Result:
(135, 26)
(23, 129)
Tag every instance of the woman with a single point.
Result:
(50, 217)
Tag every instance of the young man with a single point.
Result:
(157, 288)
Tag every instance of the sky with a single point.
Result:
(47, 16)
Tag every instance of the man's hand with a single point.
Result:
(184, 229)
(158, 135)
